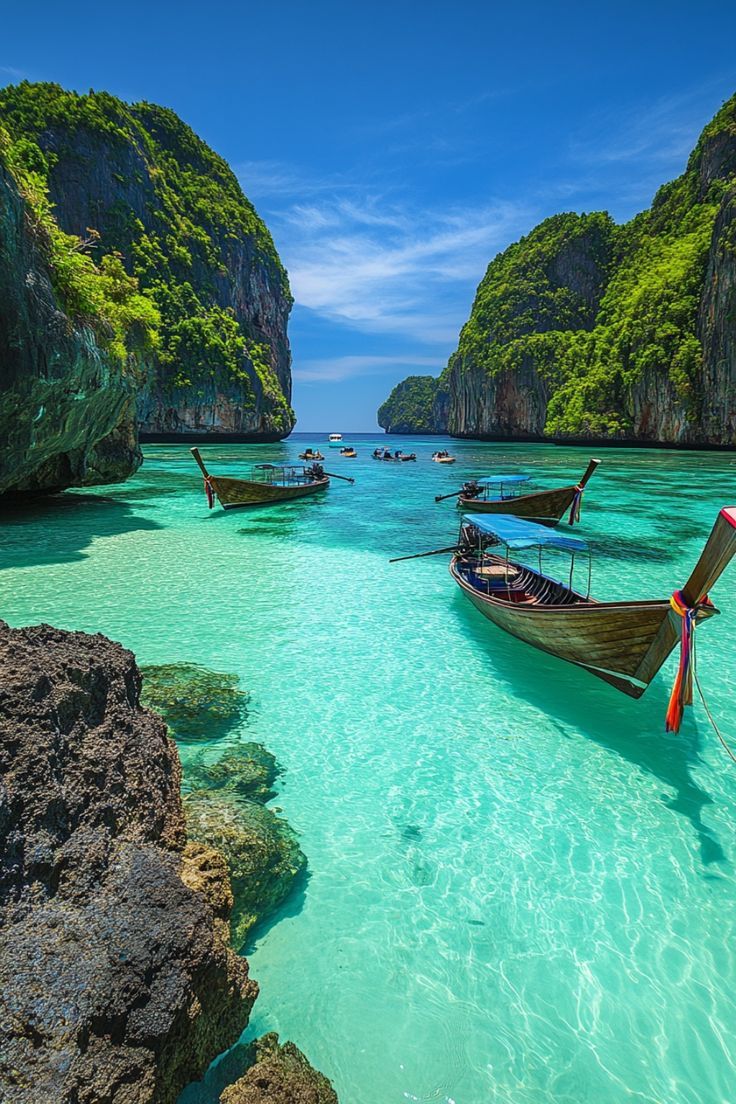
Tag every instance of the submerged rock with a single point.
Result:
(279, 1075)
(262, 852)
(117, 981)
(197, 704)
(249, 770)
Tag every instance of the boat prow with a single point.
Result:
(624, 643)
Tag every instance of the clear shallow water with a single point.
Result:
(522, 891)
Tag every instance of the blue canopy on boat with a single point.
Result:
(516, 533)
(504, 479)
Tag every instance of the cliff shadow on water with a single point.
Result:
(633, 730)
(59, 529)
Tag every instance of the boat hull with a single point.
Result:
(623, 643)
(543, 507)
(234, 494)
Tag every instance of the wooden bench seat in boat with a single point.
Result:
(498, 569)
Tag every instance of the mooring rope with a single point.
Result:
(708, 713)
(691, 675)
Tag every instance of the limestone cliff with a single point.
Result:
(151, 191)
(66, 397)
(585, 330)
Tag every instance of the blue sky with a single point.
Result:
(394, 148)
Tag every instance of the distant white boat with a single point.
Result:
(334, 440)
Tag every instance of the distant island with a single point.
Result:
(587, 330)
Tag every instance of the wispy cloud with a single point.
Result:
(657, 134)
(364, 254)
(14, 74)
(384, 267)
(277, 179)
(336, 369)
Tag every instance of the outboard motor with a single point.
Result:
(471, 488)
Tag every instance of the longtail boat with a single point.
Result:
(266, 483)
(624, 643)
(505, 494)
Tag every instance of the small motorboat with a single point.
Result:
(443, 457)
(310, 454)
(335, 440)
(348, 452)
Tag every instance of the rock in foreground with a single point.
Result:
(279, 1075)
(117, 981)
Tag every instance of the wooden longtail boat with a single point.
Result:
(500, 494)
(268, 483)
(624, 643)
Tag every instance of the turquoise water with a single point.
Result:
(522, 891)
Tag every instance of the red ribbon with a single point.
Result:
(682, 690)
(209, 491)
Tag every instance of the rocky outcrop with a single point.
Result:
(66, 405)
(584, 330)
(137, 183)
(279, 1075)
(117, 981)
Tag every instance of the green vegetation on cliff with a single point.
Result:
(102, 296)
(584, 328)
(627, 302)
(158, 201)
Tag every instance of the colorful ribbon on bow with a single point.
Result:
(682, 690)
(209, 490)
(577, 503)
